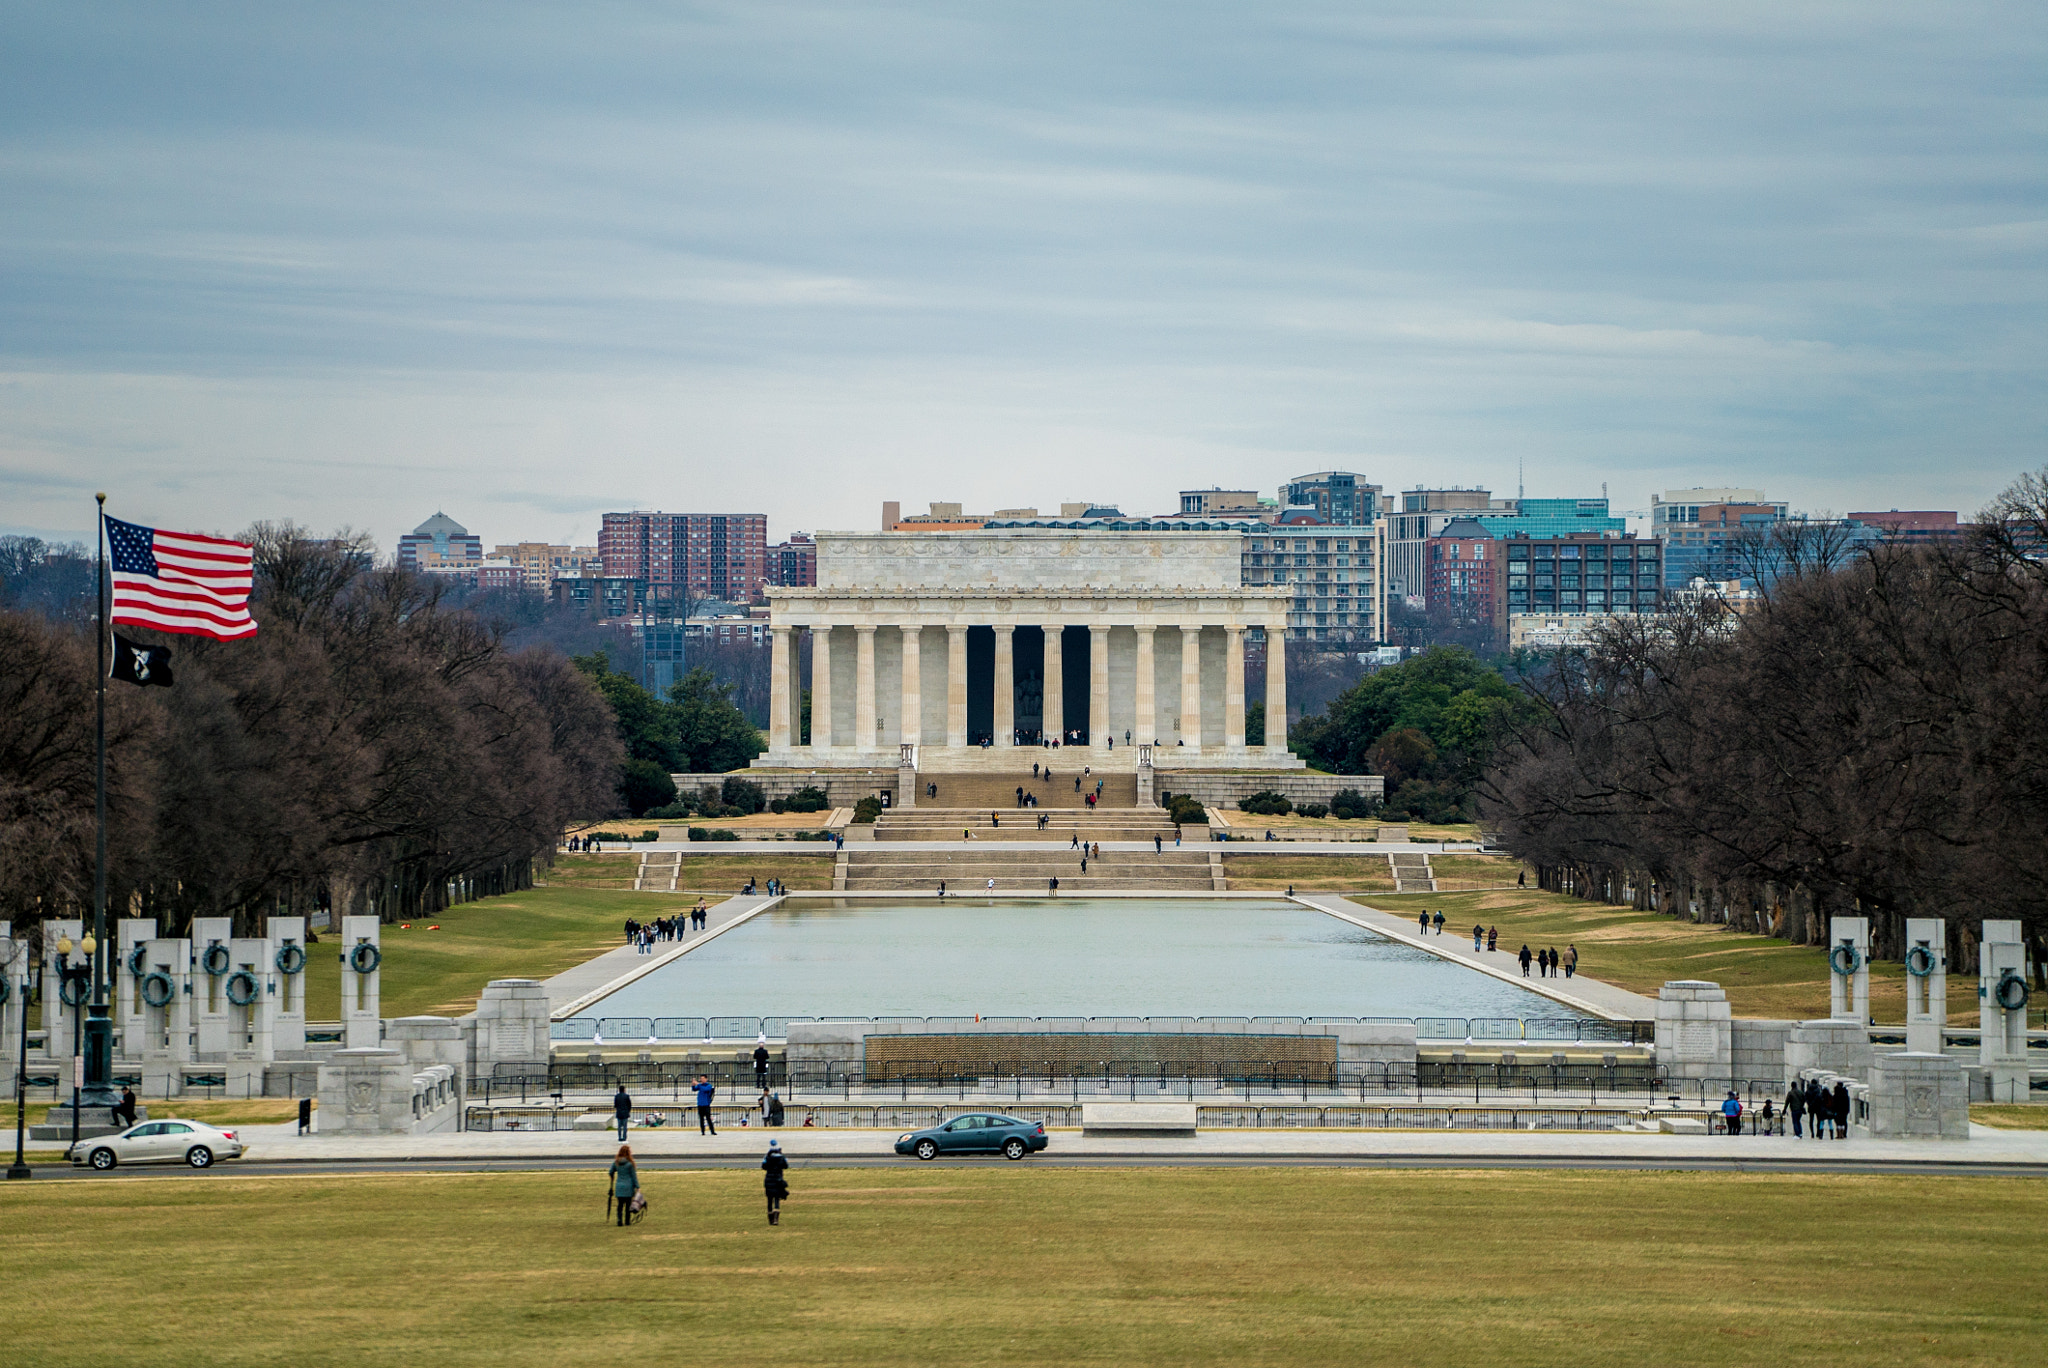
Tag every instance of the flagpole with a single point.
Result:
(99, 1028)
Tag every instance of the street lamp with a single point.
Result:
(86, 1043)
(17, 949)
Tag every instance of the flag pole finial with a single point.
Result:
(101, 496)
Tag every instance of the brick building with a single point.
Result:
(682, 556)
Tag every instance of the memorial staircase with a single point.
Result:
(997, 791)
(1020, 869)
(1021, 824)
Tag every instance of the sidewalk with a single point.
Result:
(595, 979)
(275, 1144)
(1455, 944)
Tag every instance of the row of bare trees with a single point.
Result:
(367, 751)
(1869, 739)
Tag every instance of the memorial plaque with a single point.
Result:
(1696, 1042)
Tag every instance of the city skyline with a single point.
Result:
(547, 266)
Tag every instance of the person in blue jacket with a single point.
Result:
(705, 1090)
(1731, 1113)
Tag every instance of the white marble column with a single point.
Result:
(1276, 687)
(1147, 687)
(913, 690)
(1233, 687)
(1191, 686)
(778, 688)
(1005, 688)
(1052, 708)
(821, 688)
(956, 686)
(865, 732)
(1098, 688)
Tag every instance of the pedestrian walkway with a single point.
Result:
(570, 991)
(1986, 1146)
(1455, 944)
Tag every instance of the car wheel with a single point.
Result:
(927, 1149)
(1013, 1148)
(199, 1156)
(102, 1159)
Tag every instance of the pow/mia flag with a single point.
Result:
(140, 664)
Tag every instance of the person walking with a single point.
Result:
(1524, 957)
(625, 1184)
(1158, 844)
(774, 1181)
(1492, 939)
(1571, 960)
(1841, 1111)
(1439, 921)
(761, 1060)
(991, 885)
(1478, 935)
(1766, 1121)
(705, 1090)
(1795, 1107)
(1422, 921)
(622, 1108)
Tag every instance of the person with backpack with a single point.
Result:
(625, 1184)
(773, 1182)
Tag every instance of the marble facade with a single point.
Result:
(953, 650)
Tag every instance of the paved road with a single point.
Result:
(1647, 1163)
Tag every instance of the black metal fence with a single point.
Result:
(739, 1029)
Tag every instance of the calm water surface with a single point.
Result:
(1065, 957)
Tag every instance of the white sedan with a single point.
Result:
(160, 1142)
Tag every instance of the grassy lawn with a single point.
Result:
(2021, 1116)
(1641, 951)
(249, 1112)
(1309, 873)
(1015, 1265)
(722, 875)
(1353, 828)
(535, 934)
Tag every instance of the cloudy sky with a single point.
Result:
(353, 264)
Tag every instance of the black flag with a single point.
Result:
(140, 664)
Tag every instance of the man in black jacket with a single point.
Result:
(622, 1108)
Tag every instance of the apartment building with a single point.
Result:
(682, 556)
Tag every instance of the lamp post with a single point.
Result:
(17, 949)
(81, 1036)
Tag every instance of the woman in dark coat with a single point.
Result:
(1841, 1110)
(772, 1181)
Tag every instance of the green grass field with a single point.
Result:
(1030, 1266)
(535, 934)
(1641, 951)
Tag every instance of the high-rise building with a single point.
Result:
(1920, 525)
(441, 541)
(1205, 502)
(795, 562)
(1582, 572)
(1425, 513)
(1703, 529)
(1338, 497)
(683, 556)
(540, 562)
(1465, 581)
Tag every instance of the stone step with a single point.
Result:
(999, 790)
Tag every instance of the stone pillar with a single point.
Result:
(1276, 687)
(210, 937)
(821, 688)
(1835, 1045)
(1849, 969)
(1006, 688)
(1098, 688)
(1147, 690)
(1695, 1032)
(167, 1024)
(1052, 711)
(778, 689)
(14, 972)
(365, 1091)
(511, 1025)
(2002, 1037)
(867, 731)
(286, 939)
(1233, 687)
(913, 687)
(956, 686)
(1191, 687)
(1926, 983)
(132, 935)
(361, 1023)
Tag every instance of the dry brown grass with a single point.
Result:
(1309, 873)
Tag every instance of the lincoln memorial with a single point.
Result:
(950, 651)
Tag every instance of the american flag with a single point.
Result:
(180, 581)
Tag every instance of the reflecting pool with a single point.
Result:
(1064, 957)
